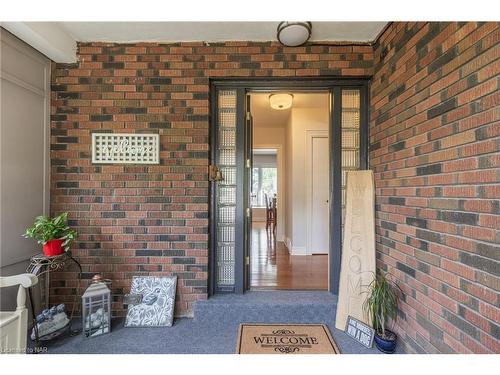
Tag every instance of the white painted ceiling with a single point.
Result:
(265, 116)
(128, 32)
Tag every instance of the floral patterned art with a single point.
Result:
(158, 299)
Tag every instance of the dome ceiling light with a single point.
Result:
(280, 101)
(294, 34)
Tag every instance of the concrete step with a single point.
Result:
(268, 307)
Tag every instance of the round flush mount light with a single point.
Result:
(280, 101)
(294, 34)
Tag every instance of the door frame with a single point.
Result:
(332, 84)
(310, 135)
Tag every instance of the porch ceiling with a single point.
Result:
(126, 32)
(58, 40)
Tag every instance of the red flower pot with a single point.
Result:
(53, 248)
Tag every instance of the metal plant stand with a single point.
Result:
(41, 264)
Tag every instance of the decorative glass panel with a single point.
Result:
(350, 139)
(227, 100)
(226, 189)
(226, 272)
(227, 214)
(351, 114)
(226, 234)
(350, 99)
(229, 175)
(227, 118)
(227, 194)
(227, 136)
(350, 159)
(227, 157)
(350, 118)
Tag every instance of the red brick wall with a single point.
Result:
(152, 220)
(434, 136)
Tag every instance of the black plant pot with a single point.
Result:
(386, 344)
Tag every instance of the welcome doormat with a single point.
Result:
(285, 339)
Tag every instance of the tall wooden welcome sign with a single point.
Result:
(358, 249)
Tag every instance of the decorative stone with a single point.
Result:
(50, 321)
(96, 319)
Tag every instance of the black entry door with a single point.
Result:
(248, 191)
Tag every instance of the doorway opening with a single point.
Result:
(238, 190)
(289, 242)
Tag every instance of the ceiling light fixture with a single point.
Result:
(280, 101)
(294, 34)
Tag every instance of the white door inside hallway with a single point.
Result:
(320, 208)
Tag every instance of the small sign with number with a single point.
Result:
(360, 331)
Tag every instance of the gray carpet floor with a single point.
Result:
(214, 328)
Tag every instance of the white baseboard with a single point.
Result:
(298, 250)
(294, 250)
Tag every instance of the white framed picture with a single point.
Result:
(155, 302)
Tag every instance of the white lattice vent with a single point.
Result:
(111, 148)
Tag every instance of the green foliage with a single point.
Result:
(381, 305)
(45, 229)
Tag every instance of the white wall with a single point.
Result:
(24, 152)
(289, 183)
(301, 120)
(264, 135)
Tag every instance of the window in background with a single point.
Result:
(264, 181)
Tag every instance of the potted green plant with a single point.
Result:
(53, 233)
(381, 307)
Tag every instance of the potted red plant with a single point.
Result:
(53, 233)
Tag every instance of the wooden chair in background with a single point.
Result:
(271, 211)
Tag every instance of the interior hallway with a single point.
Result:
(272, 267)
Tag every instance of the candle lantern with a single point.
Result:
(96, 309)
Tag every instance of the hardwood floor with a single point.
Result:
(272, 267)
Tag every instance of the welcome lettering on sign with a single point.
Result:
(358, 250)
(125, 148)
